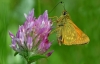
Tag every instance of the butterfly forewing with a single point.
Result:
(68, 33)
(73, 35)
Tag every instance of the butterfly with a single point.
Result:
(68, 33)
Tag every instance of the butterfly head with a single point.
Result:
(65, 14)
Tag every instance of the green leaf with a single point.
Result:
(15, 53)
(36, 57)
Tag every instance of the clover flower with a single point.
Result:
(32, 37)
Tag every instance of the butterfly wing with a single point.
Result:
(71, 34)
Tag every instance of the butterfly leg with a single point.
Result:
(54, 30)
(53, 18)
(60, 40)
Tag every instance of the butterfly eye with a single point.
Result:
(65, 12)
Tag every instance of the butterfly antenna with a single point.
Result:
(63, 4)
(56, 6)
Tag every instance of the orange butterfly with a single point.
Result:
(68, 33)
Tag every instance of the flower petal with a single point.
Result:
(44, 46)
(21, 35)
(11, 35)
(29, 43)
(30, 15)
(13, 45)
(45, 16)
(49, 53)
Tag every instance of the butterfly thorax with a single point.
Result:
(64, 16)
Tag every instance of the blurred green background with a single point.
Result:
(84, 13)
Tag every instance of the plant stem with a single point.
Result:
(39, 7)
(28, 62)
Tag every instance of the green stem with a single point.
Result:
(39, 7)
(28, 62)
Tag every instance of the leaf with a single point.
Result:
(36, 57)
(15, 53)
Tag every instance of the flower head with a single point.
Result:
(32, 36)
